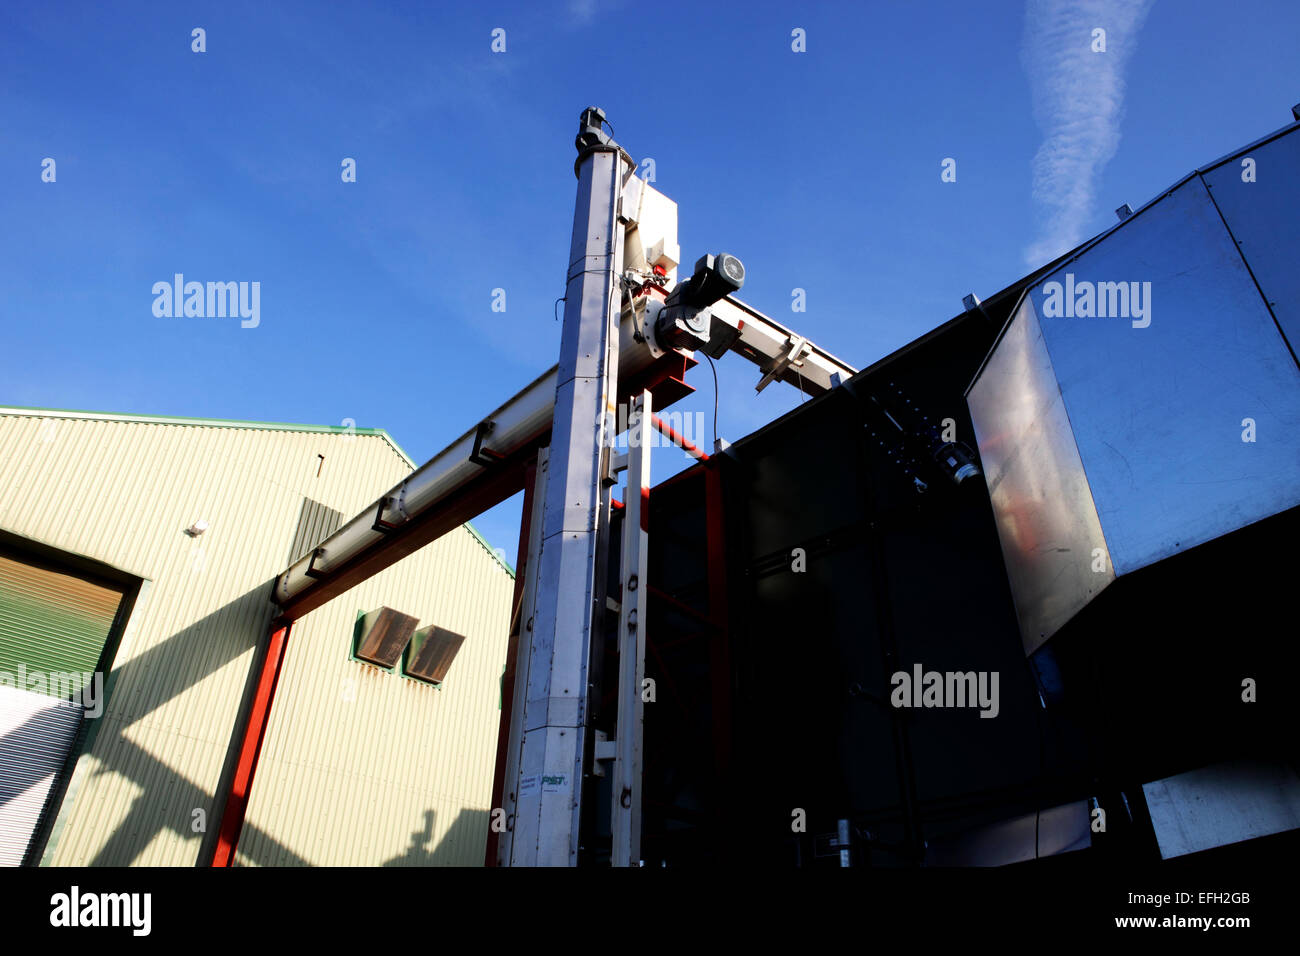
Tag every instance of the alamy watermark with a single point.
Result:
(78, 687)
(922, 688)
(215, 300)
(623, 431)
(1101, 300)
(133, 911)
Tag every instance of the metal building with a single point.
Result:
(136, 564)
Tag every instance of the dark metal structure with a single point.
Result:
(795, 575)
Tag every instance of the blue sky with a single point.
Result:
(820, 169)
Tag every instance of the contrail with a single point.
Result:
(1078, 98)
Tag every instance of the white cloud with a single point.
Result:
(581, 11)
(1078, 98)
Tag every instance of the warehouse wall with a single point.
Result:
(122, 492)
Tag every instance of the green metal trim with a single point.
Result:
(19, 411)
(483, 541)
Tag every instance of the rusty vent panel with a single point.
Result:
(382, 636)
(433, 649)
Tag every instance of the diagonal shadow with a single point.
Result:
(146, 683)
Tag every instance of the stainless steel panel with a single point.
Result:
(1112, 413)
(1263, 216)
(1221, 804)
(1157, 404)
(1045, 516)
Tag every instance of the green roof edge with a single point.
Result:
(31, 412)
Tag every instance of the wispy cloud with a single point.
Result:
(1078, 97)
(581, 11)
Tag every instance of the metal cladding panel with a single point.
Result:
(1263, 214)
(1161, 357)
(1221, 804)
(362, 767)
(1158, 409)
(121, 492)
(35, 734)
(1046, 521)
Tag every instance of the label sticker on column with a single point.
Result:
(554, 782)
(529, 785)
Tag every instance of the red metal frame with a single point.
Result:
(671, 434)
(232, 820)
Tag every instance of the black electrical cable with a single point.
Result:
(555, 309)
(715, 401)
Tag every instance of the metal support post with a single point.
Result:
(548, 787)
(626, 816)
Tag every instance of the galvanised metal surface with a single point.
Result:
(1047, 523)
(549, 786)
(122, 492)
(1261, 205)
(625, 811)
(523, 657)
(1159, 393)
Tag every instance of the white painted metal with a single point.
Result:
(774, 348)
(626, 813)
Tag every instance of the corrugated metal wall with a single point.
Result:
(122, 492)
(361, 766)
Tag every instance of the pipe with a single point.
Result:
(513, 425)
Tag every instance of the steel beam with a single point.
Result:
(634, 567)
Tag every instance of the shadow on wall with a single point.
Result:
(136, 689)
(462, 845)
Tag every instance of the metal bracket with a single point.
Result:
(604, 750)
(480, 455)
(793, 354)
(380, 525)
(310, 570)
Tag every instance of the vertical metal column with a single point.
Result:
(515, 677)
(548, 789)
(626, 815)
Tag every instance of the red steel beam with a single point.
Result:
(232, 821)
(671, 434)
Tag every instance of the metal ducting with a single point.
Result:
(1143, 398)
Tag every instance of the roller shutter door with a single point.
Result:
(53, 629)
